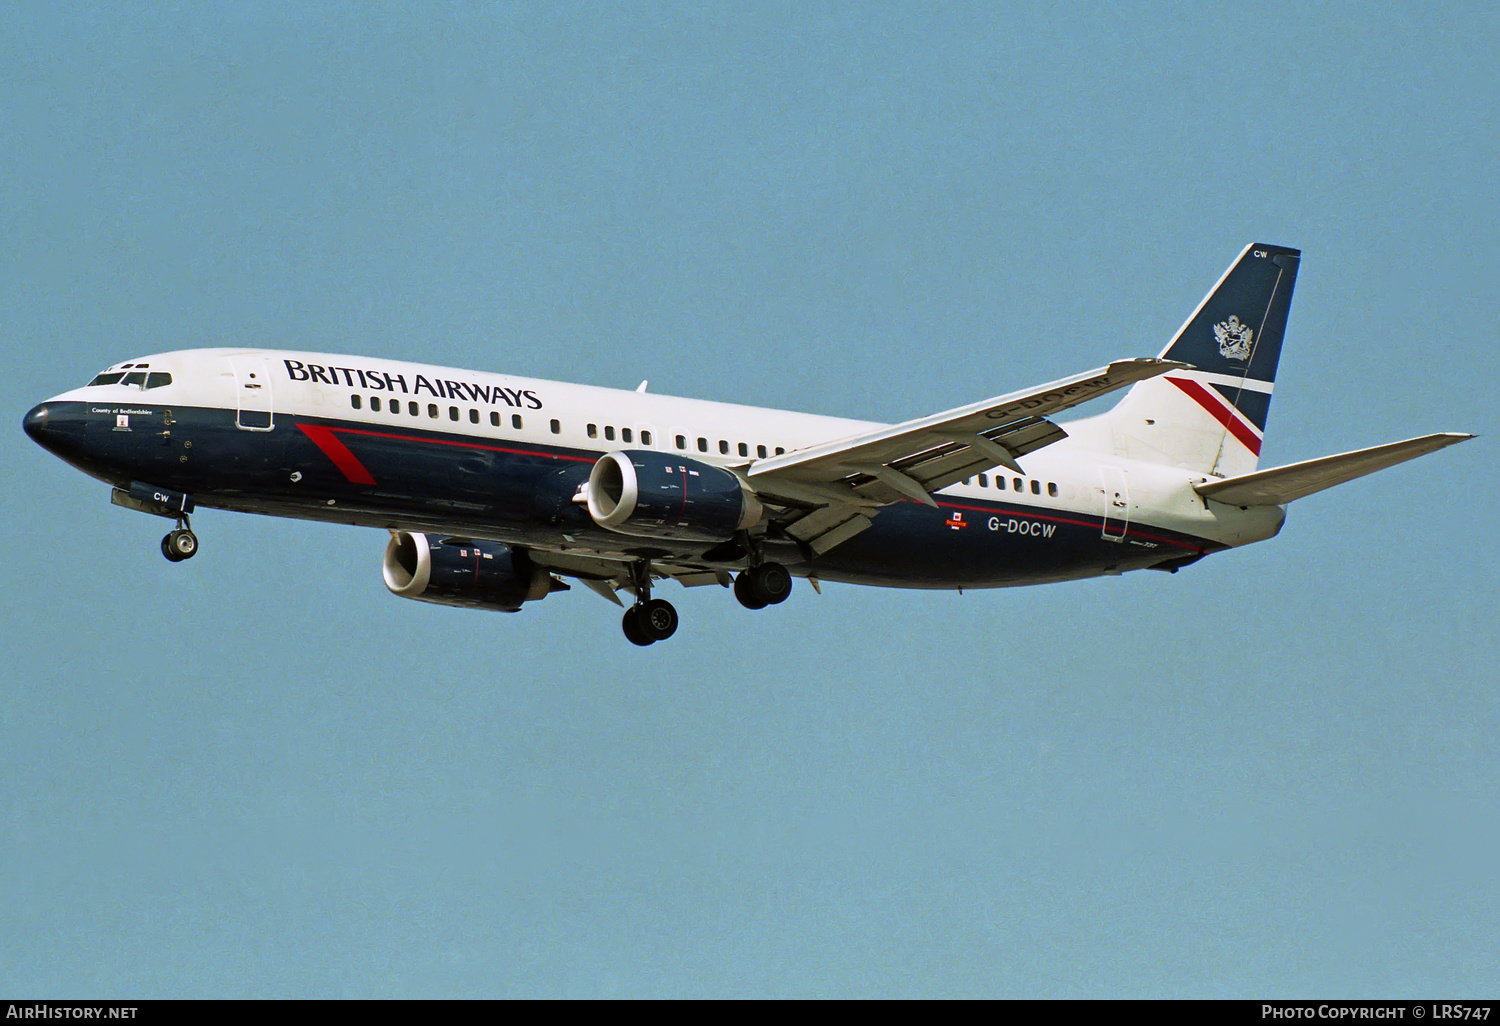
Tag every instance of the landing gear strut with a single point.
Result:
(761, 585)
(649, 620)
(180, 544)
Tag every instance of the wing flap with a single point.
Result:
(946, 447)
(822, 529)
(1281, 485)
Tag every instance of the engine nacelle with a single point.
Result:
(658, 495)
(477, 574)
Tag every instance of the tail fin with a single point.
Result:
(1212, 418)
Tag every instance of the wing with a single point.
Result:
(1281, 485)
(833, 489)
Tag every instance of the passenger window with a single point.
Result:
(744, 449)
(432, 410)
(414, 409)
(1052, 489)
(515, 421)
(682, 441)
(557, 427)
(779, 450)
(1000, 482)
(473, 416)
(760, 450)
(723, 447)
(593, 430)
(1019, 486)
(703, 445)
(1036, 488)
(494, 418)
(609, 432)
(354, 401)
(375, 403)
(625, 434)
(645, 438)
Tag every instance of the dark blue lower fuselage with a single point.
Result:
(517, 491)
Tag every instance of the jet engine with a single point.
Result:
(460, 572)
(658, 495)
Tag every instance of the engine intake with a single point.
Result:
(458, 572)
(658, 495)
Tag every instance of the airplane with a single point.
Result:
(495, 488)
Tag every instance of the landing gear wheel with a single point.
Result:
(179, 545)
(657, 619)
(774, 582)
(763, 585)
(748, 598)
(631, 625)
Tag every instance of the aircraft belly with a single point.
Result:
(994, 545)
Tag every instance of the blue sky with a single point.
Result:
(259, 774)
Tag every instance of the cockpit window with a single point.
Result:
(139, 378)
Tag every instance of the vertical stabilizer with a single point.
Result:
(1212, 418)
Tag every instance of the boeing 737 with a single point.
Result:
(496, 488)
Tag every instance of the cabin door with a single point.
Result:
(1116, 503)
(252, 390)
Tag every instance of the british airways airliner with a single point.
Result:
(495, 488)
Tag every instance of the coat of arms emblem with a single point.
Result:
(1234, 338)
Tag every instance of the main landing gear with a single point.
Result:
(180, 544)
(764, 584)
(649, 620)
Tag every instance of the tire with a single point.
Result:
(657, 619)
(748, 596)
(632, 628)
(182, 543)
(774, 582)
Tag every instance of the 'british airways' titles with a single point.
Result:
(440, 388)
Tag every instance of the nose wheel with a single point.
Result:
(180, 544)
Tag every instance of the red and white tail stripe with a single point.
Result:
(1220, 410)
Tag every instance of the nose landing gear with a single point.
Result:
(180, 544)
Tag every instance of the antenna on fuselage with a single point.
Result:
(642, 386)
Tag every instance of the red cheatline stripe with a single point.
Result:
(461, 444)
(1031, 514)
(1219, 411)
(322, 436)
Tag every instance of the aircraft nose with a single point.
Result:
(36, 424)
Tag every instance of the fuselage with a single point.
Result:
(404, 446)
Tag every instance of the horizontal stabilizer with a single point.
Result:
(1280, 485)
